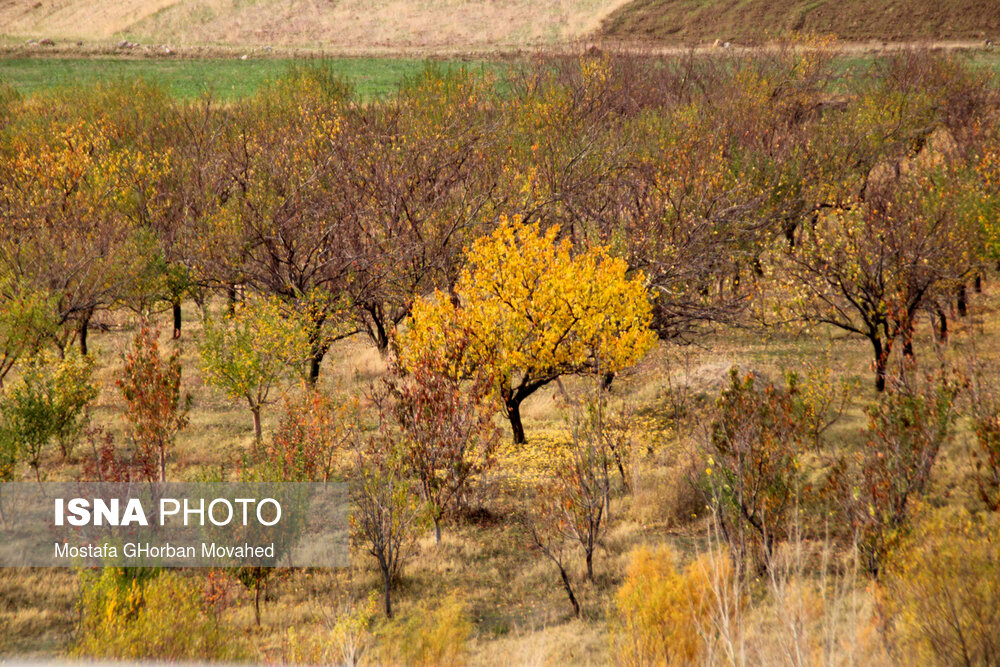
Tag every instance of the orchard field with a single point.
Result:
(627, 359)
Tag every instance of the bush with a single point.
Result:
(48, 406)
(906, 429)
(661, 612)
(986, 459)
(311, 440)
(942, 591)
(752, 454)
(428, 637)
(985, 418)
(346, 643)
(130, 615)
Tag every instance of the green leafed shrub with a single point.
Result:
(49, 406)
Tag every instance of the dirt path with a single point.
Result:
(66, 49)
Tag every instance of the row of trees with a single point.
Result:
(862, 200)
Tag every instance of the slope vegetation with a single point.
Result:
(692, 22)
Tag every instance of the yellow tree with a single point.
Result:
(532, 310)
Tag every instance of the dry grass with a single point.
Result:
(519, 612)
(348, 25)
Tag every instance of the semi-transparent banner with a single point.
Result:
(81, 524)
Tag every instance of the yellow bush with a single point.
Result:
(155, 617)
(661, 612)
(346, 641)
(428, 637)
(942, 592)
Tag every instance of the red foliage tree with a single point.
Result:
(151, 387)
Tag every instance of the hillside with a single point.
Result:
(692, 22)
(343, 25)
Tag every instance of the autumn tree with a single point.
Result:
(73, 203)
(151, 387)
(279, 226)
(582, 484)
(446, 427)
(26, 320)
(388, 511)
(311, 440)
(544, 524)
(534, 310)
(872, 269)
(422, 169)
(246, 353)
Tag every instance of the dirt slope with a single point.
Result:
(693, 22)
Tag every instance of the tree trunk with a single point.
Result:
(315, 360)
(317, 350)
(607, 380)
(84, 324)
(569, 591)
(230, 299)
(437, 530)
(590, 565)
(377, 331)
(382, 340)
(256, 603)
(387, 590)
(177, 319)
(163, 464)
(942, 329)
(513, 408)
(880, 364)
(256, 423)
(977, 283)
(962, 301)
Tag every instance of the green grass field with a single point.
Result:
(226, 78)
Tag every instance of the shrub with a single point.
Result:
(660, 611)
(986, 458)
(310, 441)
(388, 513)
(942, 591)
(906, 429)
(428, 637)
(108, 462)
(346, 642)
(145, 615)
(985, 417)
(447, 427)
(753, 446)
(49, 406)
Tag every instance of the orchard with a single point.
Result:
(681, 354)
